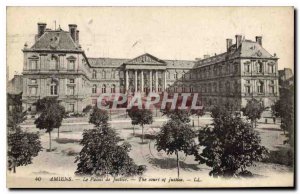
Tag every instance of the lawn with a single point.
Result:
(60, 162)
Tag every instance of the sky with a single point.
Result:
(165, 32)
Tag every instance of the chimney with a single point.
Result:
(72, 30)
(238, 40)
(41, 29)
(228, 43)
(77, 36)
(259, 40)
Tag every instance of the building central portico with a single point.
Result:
(145, 74)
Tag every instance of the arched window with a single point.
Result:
(94, 89)
(53, 63)
(103, 88)
(94, 76)
(260, 87)
(113, 88)
(53, 88)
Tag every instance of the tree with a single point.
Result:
(15, 117)
(175, 136)
(98, 117)
(130, 113)
(42, 105)
(178, 114)
(230, 146)
(284, 108)
(50, 118)
(253, 111)
(102, 154)
(22, 147)
(141, 117)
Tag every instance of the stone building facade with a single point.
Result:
(56, 65)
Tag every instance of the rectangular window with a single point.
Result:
(247, 68)
(71, 65)
(71, 91)
(113, 74)
(272, 90)
(71, 81)
(32, 91)
(33, 81)
(71, 107)
(271, 69)
(247, 89)
(53, 89)
(121, 74)
(33, 65)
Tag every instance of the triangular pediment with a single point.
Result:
(146, 59)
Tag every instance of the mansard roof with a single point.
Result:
(106, 62)
(55, 40)
(247, 49)
(253, 50)
(186, 64)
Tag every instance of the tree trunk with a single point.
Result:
(49, 141)
(58, 133)
(14, 169)
(177, 164)
(133, 130)
(142, 134)
(198, 122)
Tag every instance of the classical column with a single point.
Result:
(142, 81)
(135, 80)
(150, 80)
(156, 81)
(165, 81)
(127, 80)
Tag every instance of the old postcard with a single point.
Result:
(150, 97)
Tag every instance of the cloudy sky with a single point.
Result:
(167, 33)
